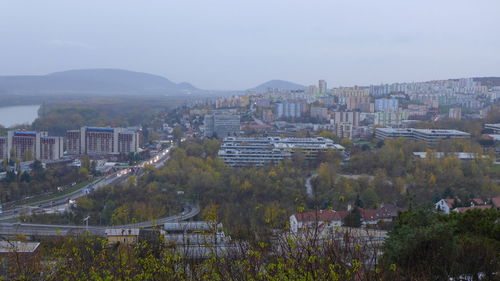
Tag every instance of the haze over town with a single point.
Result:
(235, 45)
(250, 140)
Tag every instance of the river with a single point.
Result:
(15, 115)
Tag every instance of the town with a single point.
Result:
(250, 140)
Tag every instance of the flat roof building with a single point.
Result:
(102, 141)
(239, 152)
(31, 145)
(222, 125)
(495, 128)
(430, 136)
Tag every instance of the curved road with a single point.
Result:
(69, 230)
(309, 188)
(51, 230)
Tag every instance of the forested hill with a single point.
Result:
(277, 84)
(94, 82)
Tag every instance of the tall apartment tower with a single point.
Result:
(322, 87)
(31, 145)
(4, 152)
(102, 141)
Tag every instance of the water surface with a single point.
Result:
(19, 114)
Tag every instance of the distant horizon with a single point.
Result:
(229, 45)
(256, 85)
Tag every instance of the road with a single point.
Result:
(309, 188)
(71, 230)
(53, 230)
(59, 204)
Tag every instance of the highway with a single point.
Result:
(72, 230)
(61, 203)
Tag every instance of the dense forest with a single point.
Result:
(58, 117)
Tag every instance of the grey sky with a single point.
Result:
(236, 44)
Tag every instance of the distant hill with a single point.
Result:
(489, 81)
(94, 81)
(278, 84)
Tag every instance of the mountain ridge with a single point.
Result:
(99, 81)
(279, 84)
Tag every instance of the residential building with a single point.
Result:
(448, 205)
(344, 130)
(350, 92)
(290, 109)
(31, 145)
(321, 219)
(464, 156)
(331, 219)
(222, 124)
(352, 117)
(455, 113)
(3, 148)
(356, 102)
(319, 112)
(103, 140)
(126, 236)
(239, 152)
(386, 104)
(431, 136)
(322, 87)
(494, 128)
(18, 253)
(390, 118)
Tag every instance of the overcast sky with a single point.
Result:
(237, 44)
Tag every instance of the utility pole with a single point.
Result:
(86, 220)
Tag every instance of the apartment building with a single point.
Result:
(386, 104)
(31, 145)
(102, 141)
(3, 148)
(240, 152)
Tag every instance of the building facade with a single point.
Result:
(386, 104)
(222, 125)
(430, 136)
(102, 141)
(31, 145)
(239, 152)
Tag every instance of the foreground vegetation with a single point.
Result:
(423, 246)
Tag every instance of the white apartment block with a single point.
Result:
(240, 152)
(430, 136)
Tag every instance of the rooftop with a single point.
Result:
(122, 231)
(18, 247)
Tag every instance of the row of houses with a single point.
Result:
(325, 219)
(448, 205)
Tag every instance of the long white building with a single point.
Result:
(431, 136)
(239, 152)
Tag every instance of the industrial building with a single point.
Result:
(431, 136)
(102, 141)
(31, 145)
(239, 152)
